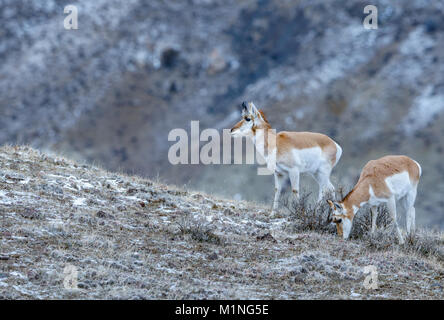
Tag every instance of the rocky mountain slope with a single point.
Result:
(111, 91)
(132, 238)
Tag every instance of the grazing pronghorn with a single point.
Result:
(386, 180)
(289, 153)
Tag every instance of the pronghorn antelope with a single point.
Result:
(386, 180)
(289, 153)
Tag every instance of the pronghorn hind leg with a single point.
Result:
(294, 180)
(411, 220)
(408, 203)
(322, 177)
(374, 211)
(391, 205)
(279, 180)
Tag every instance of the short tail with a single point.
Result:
(419, 167)
(338, 153)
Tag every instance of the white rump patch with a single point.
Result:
(399, 184)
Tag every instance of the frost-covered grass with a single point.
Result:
(132, 238)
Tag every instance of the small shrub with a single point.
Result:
(309, 216)
(198, 230)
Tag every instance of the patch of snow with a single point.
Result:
(3, 198)
(17, 275)
(26, 181)
(81, 184)
(114, 184)
(79, 202)
(133, 198)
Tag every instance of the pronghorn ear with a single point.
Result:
(331, 204)
(253, 109)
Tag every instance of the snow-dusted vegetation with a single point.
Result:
(131, 238)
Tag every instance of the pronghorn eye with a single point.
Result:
(247, 119)
(337, 219)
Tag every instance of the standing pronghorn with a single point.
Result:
(385, 180)
(289, 153)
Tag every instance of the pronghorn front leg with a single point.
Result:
(278, 183)
(294, 180)
(374, 211)
(391, 205)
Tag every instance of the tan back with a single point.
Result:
(303, 140)
(375, 172)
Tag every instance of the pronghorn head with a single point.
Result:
(341, 216)
(252, 119)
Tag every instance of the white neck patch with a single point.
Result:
(346, 228)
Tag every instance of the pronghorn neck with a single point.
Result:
(264, 138)
(355, 199)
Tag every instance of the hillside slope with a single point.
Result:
(131, 238)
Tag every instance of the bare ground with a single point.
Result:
(132, 238)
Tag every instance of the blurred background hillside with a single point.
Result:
(111, 91)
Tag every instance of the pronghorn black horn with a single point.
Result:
(329, 219)
(244, 105)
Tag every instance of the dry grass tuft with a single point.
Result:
(198, 230)
(422, 242)
(425, 243)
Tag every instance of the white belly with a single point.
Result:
(308, 160)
